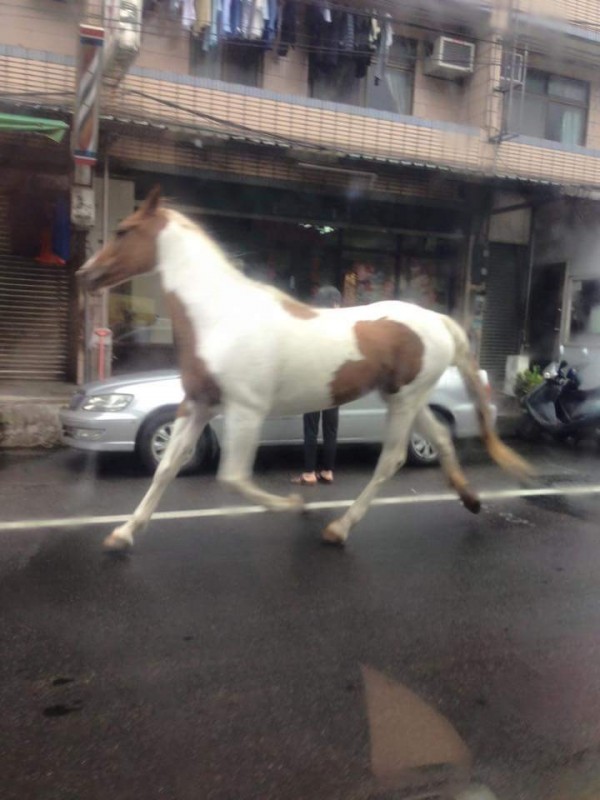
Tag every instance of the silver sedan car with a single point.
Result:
(135, 413)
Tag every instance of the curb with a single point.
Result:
(29, 423)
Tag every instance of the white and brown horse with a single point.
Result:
(250, 351)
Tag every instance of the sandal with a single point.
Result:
(304, 482)
(325, 478)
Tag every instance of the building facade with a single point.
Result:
(418, 150)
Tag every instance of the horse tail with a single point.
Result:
(504, 456)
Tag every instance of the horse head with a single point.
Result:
(133, 249)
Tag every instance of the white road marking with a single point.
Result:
(238, 511)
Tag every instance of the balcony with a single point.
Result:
(196, 107)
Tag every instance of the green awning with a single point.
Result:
(53, 128)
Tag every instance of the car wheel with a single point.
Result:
(421, 450)
(155, 436)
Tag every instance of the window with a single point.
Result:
(233, 62)
(391, 89)
(339, 85)
(553, 108)
(387, 86)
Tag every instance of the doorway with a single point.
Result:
(545, 311)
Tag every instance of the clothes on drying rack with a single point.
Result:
(335, 35)
(332, 34)
(250, 20)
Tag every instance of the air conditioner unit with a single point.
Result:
(123, 23)
(451, 58)
(512, 70)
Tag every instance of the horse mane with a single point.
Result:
(189, 224)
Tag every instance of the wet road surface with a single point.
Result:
(237, 657)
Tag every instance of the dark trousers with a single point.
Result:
(311, 432)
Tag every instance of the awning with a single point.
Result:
(52, 128)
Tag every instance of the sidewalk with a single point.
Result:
(29, 412)
(509, 414)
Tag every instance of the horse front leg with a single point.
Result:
(241, 438)
(189, 424)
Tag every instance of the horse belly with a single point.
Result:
(306, 376)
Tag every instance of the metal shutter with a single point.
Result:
(34, 308)
(502, 322)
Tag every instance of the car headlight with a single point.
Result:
(106, 402)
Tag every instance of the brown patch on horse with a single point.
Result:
(132, 250)
(392, 358)
(197, 381)
(297, 309)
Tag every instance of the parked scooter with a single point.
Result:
(559, 407)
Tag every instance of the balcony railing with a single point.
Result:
(195, 104)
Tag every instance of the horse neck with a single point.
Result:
(195, 269)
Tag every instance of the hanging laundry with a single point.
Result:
(386, 38)
(271, 21)
(214, 32)
(232, 21)
(363, 44)
(203, 9)
(188, 14)
(253, 18)
(287, 30)
(174, 9)
(338, 35)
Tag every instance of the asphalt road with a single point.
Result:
(234, 656)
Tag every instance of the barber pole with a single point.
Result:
(89, 78)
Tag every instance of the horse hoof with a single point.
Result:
(296, 502)
(472, 503)
(334, 533)
(116, 544)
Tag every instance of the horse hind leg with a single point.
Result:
(392, 458)
(434, 430)
(188, 426)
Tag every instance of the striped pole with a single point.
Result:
(87, 101)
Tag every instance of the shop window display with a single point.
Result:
(368, 280)
(428, 283)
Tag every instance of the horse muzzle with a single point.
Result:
(90, 276)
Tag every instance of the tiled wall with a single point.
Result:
(40, 25)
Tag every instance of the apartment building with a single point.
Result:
(444, 153)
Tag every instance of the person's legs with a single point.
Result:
(311, 432)
(330, 430)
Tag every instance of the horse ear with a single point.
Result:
(152, 201)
